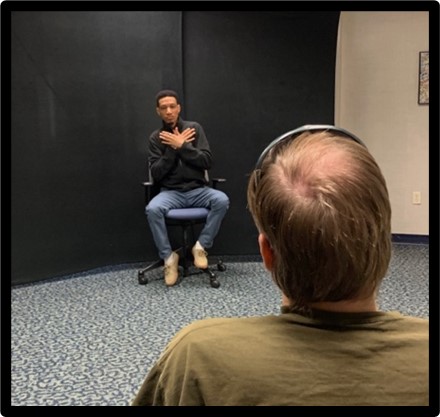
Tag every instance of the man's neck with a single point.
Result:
(344, 306)
(171, 126)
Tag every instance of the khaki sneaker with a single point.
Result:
(200, 259)
(171, 269)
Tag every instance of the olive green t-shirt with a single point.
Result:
(326, 359)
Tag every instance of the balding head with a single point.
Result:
(323, 205)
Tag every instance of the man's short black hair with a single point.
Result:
(166, 93)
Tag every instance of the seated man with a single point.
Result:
(321, 205)
(179, 156)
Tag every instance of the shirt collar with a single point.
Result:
(333, 316)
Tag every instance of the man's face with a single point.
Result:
(168, 110)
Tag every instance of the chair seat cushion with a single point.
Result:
(188, 213)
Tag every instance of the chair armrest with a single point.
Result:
(216, 181)
(149, 191)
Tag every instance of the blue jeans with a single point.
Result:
(215, 200)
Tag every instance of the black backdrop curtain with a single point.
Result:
(250, 77)
(82, 106)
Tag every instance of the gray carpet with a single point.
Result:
(89, 339)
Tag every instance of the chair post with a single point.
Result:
(185, 248)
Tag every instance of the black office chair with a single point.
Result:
(186, 219)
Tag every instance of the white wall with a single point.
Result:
(377, 99)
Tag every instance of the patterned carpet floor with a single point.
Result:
(90, 338)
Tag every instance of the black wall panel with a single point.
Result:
(249, 77)
(83, 86)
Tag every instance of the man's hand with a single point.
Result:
(177, 139)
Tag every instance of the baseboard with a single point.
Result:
(415, 239)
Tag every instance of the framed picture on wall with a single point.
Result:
(424, 77)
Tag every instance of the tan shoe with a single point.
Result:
(200, 259)
(171, 269)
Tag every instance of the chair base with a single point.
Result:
(143, 279)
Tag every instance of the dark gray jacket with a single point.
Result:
(180, 169)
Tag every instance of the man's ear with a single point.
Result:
(266, 251)
(157, 111)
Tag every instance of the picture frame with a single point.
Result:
(424, 77)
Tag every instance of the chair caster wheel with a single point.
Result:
(214, 283)
(221, 266)
(142, 279)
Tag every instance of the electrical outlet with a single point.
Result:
(417, 197)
